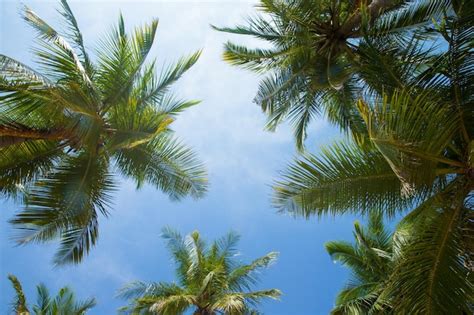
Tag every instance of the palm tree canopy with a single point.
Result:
(209, 279)
(64, 302)
(69, 128)
(370, 261)
(417, 155)
(322, 56)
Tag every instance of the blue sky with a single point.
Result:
(226, 130)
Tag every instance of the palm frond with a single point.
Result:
(75, 34)
(65, 204)
(410, 15)
(257, 26)
(166, 164)
(344, 178)
(225, 247)
(154, 89)
(128, 56)
(432, 262)
(44, 301)
(245, 276)
(23, 163)
(411, 131)
(158, 298)
(256, 59)
(19, 305)
(62, 52)
(255, 297)
(20, 73)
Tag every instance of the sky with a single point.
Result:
(226, 131)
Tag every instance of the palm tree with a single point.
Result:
(63, 303)
(406, 94)
(370, 261)
(67, 130)
(420, 158)
(321, 56)
(210, 280)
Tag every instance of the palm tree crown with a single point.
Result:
(321, 55)
(370, 261)
(210, 280)
(66, 130)
(63, 303)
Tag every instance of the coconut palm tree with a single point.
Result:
(370, 261)
(63, 303)
(210, 280)
(67, 130)
(321, 56)
(410, 106)
(419, 158)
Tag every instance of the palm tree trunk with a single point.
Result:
(12, 134)
(375, 8)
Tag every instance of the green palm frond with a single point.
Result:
(75, 34)
(411, 131)
(378, 231)
(65, 303)
(83, 306)
(19, 305)
(177, 304)
(153, 89)
(21, 164)
(65, 204)
(61, 54)
(357, 300)
(338, 107)
(257, 60)
(344, 178)
(411, 15)
(257, 26)
(237, 303)
(44, 302)
(159, 298)
(393, 62)
(433, 260)
(20, 73)
(276, 92)
(166, 164)
(245, 276)
(178, 249)
(121, 60)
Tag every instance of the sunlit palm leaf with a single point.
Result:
(343, 179)
(412, 133)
